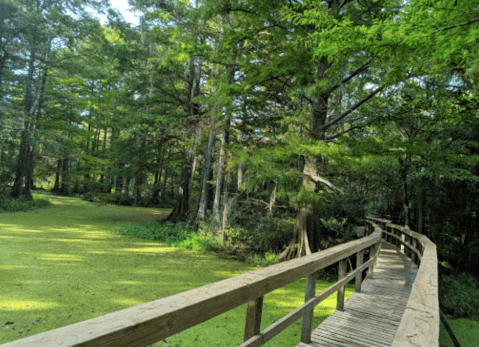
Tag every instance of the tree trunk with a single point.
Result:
(182, 206)
(64, 187)
(219, 179)
(420, 210)
(165, 181)
(207, 166)
(307, 219)
(155, 195)
(56, 186)
(126, 195)
(222, 161)
(406, 198)
(137, 188)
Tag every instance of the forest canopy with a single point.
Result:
(291, 120)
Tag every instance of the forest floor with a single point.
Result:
(66, 263)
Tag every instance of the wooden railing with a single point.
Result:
(420, 323)
(153, 321)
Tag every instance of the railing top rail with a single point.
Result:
(153, 321)
(422, 238)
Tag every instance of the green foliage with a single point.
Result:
(169, 233)
(459, 295)
(22, 204)
(263, 233)
(203, 240)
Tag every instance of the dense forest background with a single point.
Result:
(279, 123)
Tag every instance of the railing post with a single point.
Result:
(310, 292)
(407, 247)
(403, 240)
(372, 252)
(359, 276)
(253, 318)
(413, 253)
(341, 274)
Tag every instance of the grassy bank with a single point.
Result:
(64, 264)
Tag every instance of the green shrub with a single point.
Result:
(22, 204)
(264, 233)
(202, 241)
(459, 295)
(169, 233)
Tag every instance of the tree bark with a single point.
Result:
(64, 187)
(219, 178)
(207, 166)
(56, 186)
(307, 219)
(182, 206)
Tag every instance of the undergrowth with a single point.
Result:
(22, 204)
(459, 295)
(169, 233)
(183, 236)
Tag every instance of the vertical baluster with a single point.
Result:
(253, 318)
(310, 292)
(359, 276)
(341, 275)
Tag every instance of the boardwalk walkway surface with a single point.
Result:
(371, 318)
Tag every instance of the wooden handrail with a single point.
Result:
(420, 323)
(148, 323)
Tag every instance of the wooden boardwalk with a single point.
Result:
(371, 318)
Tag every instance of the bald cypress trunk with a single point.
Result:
(207, 171)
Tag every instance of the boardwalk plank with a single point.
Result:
(371, 318)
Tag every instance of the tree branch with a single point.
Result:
(456, 26)
(348, 111)
(350, 129)
(317, 179)
(350, 77)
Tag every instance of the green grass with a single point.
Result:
(466, 331)
(65, 264)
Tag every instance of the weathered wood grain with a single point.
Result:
(420, 322)
(359, 276)
(254, 312)
(341, 274)
(310, 292)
